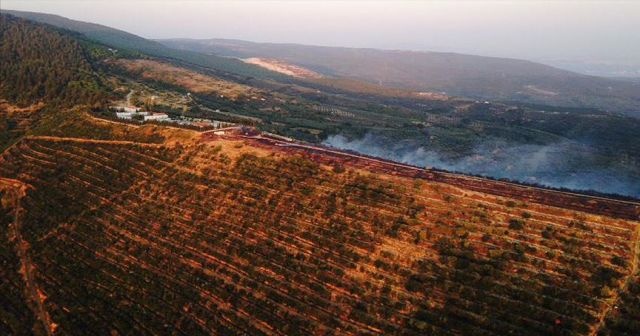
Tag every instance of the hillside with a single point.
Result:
(30, 72)
(34, 80)
(130, 42)
(236, 234)
(128, 227)
(181, 77)
(456, 74)
(113, 228)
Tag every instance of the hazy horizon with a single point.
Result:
(590, 37)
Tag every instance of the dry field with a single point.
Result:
(225, 236)
(283, 67)
(190, 80)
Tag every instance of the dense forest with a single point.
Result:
(122, 40)
(42, 64)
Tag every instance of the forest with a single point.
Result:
(31, 72)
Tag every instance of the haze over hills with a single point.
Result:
(617, 70)
(248, 226)
(456, 74)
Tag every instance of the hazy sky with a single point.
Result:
(552, 30)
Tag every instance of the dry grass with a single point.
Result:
(283, 67)
(190, 80)
(11, 110)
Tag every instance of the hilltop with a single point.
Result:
(233, 232)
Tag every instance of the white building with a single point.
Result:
(157, 117)
(124, 115)
(131, 109)
(130, 115)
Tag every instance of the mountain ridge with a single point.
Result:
(470, 76)
(124, 40)
(480, 77)
(235, 42)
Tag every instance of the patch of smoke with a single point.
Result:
(559, 165)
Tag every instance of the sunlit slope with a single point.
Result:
(222, 237)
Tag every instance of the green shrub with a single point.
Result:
(516, 224)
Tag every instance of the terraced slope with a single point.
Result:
(15, 316)
(15, 121)
(224, 237)
(623, 315)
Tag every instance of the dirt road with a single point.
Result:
(33, 294)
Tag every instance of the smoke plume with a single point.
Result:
(560, 165)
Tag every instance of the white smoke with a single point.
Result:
(561, 165)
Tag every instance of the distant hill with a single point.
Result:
(456, 74)
(485, 78)
(123, 40)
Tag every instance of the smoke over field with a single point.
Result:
(560, 165)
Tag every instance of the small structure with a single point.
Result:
(124, 115)
(134, 114)
(156, 117)
(130, 114)
(131, 109)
